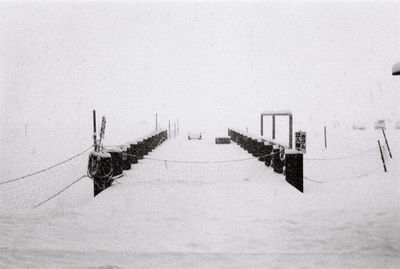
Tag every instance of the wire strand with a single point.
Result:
(61, 191)
(347, 177)
(46, 169)
(340, 158)
(197, 162)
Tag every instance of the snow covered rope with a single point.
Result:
(27, 191)
(205, 162)
(344, 176)
(322, 170)
(61, 191)
(46, 169)
(341, 158)
(273, 153)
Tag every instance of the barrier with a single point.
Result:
(272, 153)
(121, 158)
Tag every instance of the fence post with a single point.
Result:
(169, 129)
(325, 136)
(387, 144)
(273, 126)
(94, 131)
(383, 159)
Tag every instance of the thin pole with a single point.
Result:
(383, 159)
(169, 129)
(94, 131)
(290, 131)
(325, 136)
(262, 125)
(387, 144)
(156, 123)
(273, 126)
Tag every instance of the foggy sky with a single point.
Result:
(213, 65)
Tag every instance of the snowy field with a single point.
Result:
(184, 213)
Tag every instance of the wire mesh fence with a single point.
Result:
(351, 166)
(31, 190)
(195, 172)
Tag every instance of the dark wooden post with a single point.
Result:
(383, 159)
(290, 131)
(294, 168)
(387, 144)
(94, 131)
(262, 125)
(169, 129)
(273, 126)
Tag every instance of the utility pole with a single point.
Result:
(174, 129)
(169, 129)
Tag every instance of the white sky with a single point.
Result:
(216, 64)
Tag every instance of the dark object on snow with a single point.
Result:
(116, 158)
(222, 140)
(277, 163)
(272, 153)
(268, 157)
(100, 170)
(133, 150)
(294, 168)
(126, 163)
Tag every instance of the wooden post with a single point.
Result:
(273, 126)
(294, 168)
(156, 123)
(169, 129)
(290, 131)
(262, 125)
(387, 144)
(94, 132)
(383, 159)
(325, 136)
(102, 131)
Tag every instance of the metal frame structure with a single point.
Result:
(274, 114)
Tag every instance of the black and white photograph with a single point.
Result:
(199, 134)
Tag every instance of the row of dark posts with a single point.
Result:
(106, 166)
(282, 160)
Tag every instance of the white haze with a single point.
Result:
(212, 65)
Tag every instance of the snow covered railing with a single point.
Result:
(121, 157)
(274, 154)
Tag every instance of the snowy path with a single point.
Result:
(242, 215)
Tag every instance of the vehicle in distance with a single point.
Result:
(194, 135)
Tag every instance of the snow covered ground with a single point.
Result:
(165, 214)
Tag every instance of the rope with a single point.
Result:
(46, 169)
(61, 191)
(351, 177)
(206, 162)
(340, 158)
